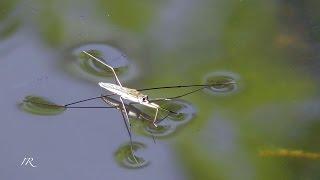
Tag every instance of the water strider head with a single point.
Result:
(144, 99)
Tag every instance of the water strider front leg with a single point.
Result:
(112, 69)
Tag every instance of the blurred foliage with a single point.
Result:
(267, 76)
(10, 29)
(51, 27)
(6, 7)
(310, 10)
(289, 153)
(129, 14)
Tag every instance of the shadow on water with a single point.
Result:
(40, 106)
(124, 156)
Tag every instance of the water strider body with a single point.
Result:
(129, 94)
(132, 110)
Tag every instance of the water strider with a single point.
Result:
(135, 96)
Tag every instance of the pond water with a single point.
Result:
(260, 120)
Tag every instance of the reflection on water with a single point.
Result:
(124, 67)
(168, 123)
(124, 156)
(184, 109)
(142, 117)
(226, 83)
(163, 129)
(40, 106)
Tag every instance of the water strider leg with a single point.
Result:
(89, 99)
(176, 97)
(114, 72)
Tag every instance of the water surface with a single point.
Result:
(270, 49)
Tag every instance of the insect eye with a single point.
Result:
(145, 98)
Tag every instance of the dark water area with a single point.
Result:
(260, 119)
